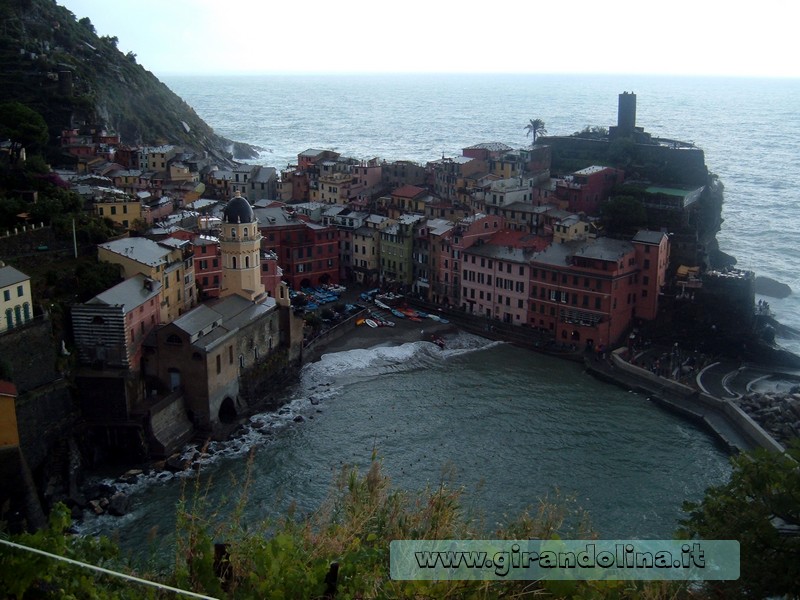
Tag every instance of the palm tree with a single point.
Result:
(535, 128)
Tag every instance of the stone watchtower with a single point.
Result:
(240, 244)
(626, 114)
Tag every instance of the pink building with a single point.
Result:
(111, 327)
(446, 252)
(496, 276)
(652, 255)
(207, 258)
(271, 273)
(589, 293)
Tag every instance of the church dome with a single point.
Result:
(238, 210)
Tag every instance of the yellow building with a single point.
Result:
(333, 188)
(9, 434)
(165, 261)
(156, 158)
(571, 228)
(122, 209)
(16, 301)
(507, 166)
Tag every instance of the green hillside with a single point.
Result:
(58, 66)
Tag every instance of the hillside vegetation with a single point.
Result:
(58, 66)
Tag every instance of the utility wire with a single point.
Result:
(160, 586)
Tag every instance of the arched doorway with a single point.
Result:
(325, 279)
(227, 411)
(174, 379)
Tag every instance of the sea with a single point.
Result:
(507, 426)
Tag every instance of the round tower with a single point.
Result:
(240, 244)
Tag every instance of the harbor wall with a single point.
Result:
(699, 406)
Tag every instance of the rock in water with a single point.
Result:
(766, 286)
(119, 504)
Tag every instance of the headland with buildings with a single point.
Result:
(230, 277)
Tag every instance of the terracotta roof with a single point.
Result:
(408, 191)
(7, 388)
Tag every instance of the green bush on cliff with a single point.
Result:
(290, 557)
(760, 507)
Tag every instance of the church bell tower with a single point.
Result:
(240, 243)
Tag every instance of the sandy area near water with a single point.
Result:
(403, 332)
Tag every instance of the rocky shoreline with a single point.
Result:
(778, 413)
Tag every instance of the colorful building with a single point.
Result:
(652, 254)
(9, 433)
(495, 276)
(16, 301)
(170, 264)
(585, 190)
(110, 328)
(396, 250)
(588, 293)
(307, 253)
(207, 258)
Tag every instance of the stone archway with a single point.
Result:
(227, 411)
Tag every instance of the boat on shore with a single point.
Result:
(371, 323)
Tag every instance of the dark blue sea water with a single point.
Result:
(508, 425)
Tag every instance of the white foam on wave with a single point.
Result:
(321, 382)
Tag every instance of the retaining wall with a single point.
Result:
(740, 421)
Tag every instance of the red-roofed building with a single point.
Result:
(585, 190)
(407, 199)
(307, 253)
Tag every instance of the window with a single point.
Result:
(230, 354)
(6, 295)
(219, 364)
(19, 291)
(646, 263)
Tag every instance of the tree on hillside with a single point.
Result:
(621, 214)
(535, 128)
(759, 507)
(24, 127)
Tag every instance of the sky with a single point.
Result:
(681, 37)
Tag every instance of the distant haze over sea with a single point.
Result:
(748, 128)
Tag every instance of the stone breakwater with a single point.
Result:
(777, 412)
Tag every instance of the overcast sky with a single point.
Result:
(684, 37)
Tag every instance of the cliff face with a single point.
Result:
(58, 66)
